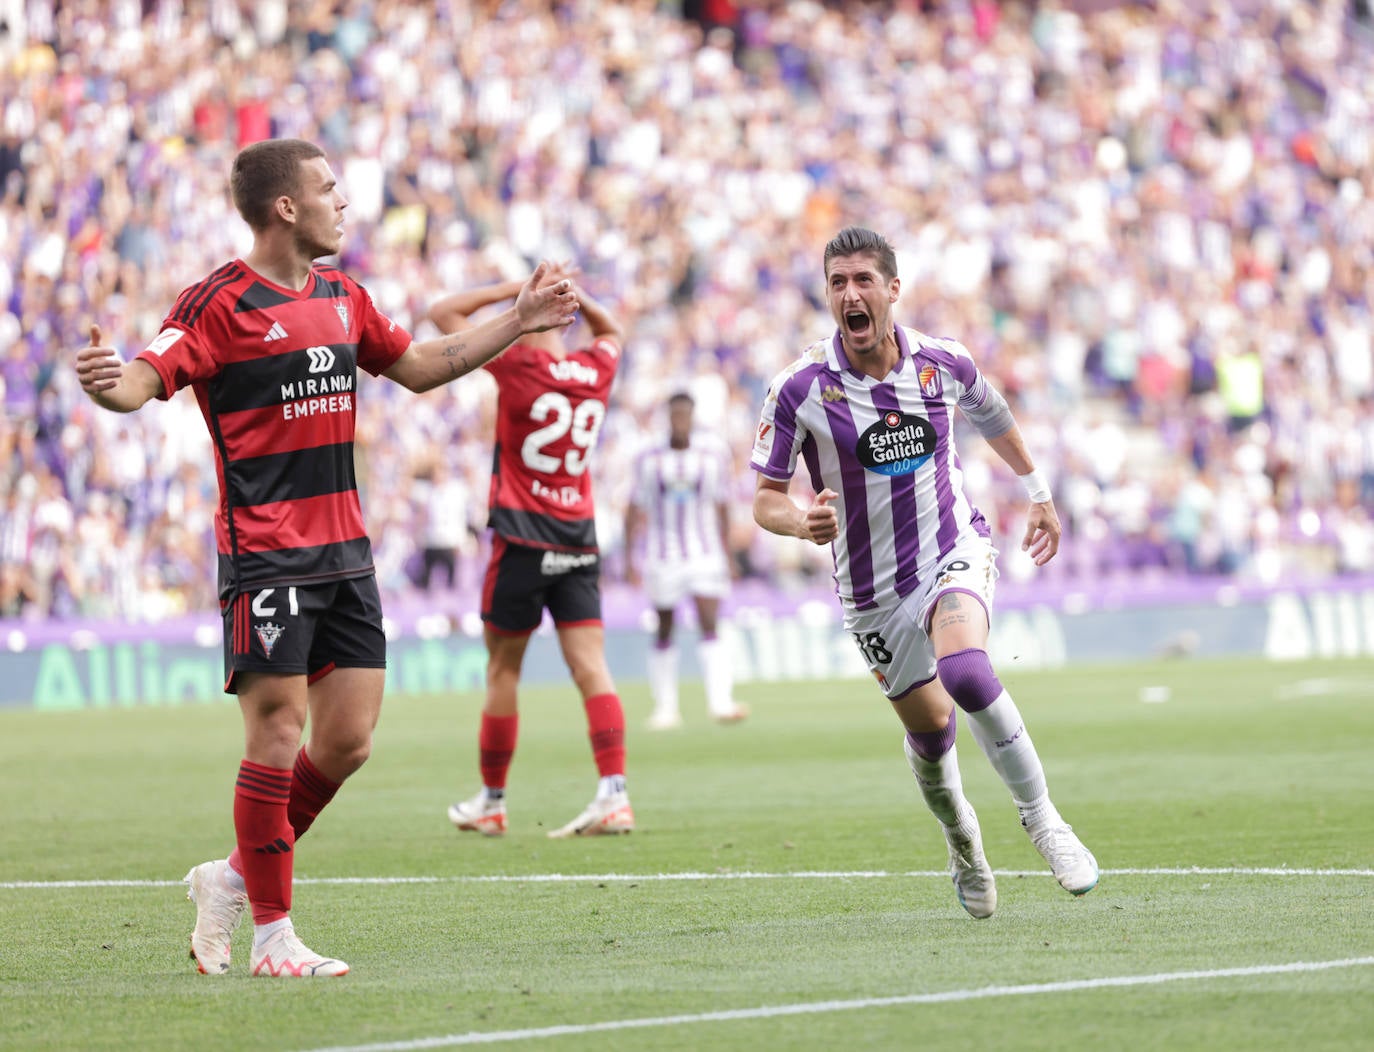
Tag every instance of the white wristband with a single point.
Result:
(1037, 489)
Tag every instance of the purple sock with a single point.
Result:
(931, 745)
(968, 676)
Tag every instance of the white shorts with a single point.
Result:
(894, 641)
(669, 583)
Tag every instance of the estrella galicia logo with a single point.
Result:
(897, 444)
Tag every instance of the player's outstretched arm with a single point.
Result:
(429, 364)
(601, 321)
(111, 383)
(454, 313)
(1043, 529)
(776, 513)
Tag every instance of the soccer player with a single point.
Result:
(871, 412)
(551, 401)
(271, 345)
(679, 504)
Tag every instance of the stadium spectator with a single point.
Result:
(1106, 203)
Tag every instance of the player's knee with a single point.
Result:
(590, 674)
(343, 756)
(969, 678)
(501, 674)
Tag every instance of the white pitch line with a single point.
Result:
(645, 878)
(825, 1007)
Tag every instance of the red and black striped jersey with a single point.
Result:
(549, 410)
(275, 371)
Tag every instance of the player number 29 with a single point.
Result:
(580, 425)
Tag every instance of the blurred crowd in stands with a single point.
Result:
(1153, 225)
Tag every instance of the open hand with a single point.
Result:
(540, 307)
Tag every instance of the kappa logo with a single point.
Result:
(276, 332)
(341, 309)
(833, 394)
(268, 634)
(321, 359)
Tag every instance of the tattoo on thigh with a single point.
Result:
(950, 610)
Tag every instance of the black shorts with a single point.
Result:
(294, 630)
(522, 581)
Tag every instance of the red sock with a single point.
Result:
(496, 747)
(310, 791)
(606, 728)
(265, 839)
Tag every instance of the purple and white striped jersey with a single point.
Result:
(886, 447)
(680, 491)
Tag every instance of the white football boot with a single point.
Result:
(219, 909)
(604, 815)
(1073, 864)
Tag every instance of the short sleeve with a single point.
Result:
(181, 357)
(381, 341)
(778, 437)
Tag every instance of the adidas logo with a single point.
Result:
(276, 332)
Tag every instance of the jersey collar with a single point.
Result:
(838, 360)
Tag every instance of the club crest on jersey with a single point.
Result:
(897, 444)
(341, 309)
(268, 634)
(929, 378)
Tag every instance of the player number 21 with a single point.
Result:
(580, 425)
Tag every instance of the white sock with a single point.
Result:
(663, 680)
(1001, 734)
(718, 675)
(610, 785)
(263, 932)
(941, 785)
(234, 878)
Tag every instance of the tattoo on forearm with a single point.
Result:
(459, 351)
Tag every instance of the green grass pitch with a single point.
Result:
(784, 890)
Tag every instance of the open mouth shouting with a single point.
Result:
(858, 323)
